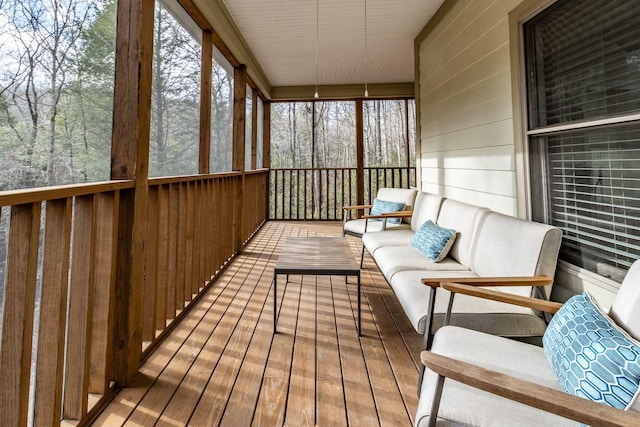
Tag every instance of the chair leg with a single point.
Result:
(435, 404)
(362, 257)
(428, 336)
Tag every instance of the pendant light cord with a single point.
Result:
(317, 26)
(366, 88)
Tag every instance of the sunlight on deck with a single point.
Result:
(223, 365)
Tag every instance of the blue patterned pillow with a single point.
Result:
(384, 206)
(590, 355)
(433, 240)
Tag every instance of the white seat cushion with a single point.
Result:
(464, 405)
(394, 237)
(492, 317)
(357, 226)
(392, 259)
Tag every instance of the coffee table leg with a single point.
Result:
(275, 300)
(359, 314)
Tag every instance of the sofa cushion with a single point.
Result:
(463, 218)
(386, 206)
(392, 237)
(426, 207)
(492, 317)
(464, 405)
(392, 259)
(357, 226)
(406, 195)
(591, 356)
(625, 310)
(433, 241)
(510, 246)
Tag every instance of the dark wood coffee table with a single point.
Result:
(321, 256)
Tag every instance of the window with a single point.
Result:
(175, 92)
(583, 86)
(56, 92)
(260, 133)
(248, 129)
(221, 114)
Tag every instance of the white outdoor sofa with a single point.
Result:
(490, 247)
(590, 360)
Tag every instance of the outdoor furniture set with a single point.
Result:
(500, 270)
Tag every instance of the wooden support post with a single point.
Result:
(130, 160)
(359, 154)
(254, 130)
(205, 102)
(239, 139)
(266, 149)
(239, 116)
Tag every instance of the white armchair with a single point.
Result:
(473, 378)
(358, 226)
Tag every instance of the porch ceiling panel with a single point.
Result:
(281, 35)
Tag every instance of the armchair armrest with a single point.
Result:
(356, 207)
(528, 393)
(491, 281)
(533, 303)
(399, 214)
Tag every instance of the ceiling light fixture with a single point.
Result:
(315, 95)
(366, 88)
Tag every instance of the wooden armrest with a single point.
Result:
(490, 294)
(528, 393)
(355, 207)
(491, 281)
(399, 214)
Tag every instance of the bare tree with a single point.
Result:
(45, 36)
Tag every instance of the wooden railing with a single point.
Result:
(320, 193)
(61, 263)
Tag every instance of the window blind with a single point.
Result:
(594, 196)
(584, 61)
(583, 65)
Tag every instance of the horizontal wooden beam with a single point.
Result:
(336, 92)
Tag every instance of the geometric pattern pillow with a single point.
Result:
(433, 240)
(590, 355)
(384, 206)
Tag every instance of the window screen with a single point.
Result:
(583, 65)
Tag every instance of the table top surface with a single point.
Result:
(317, 255)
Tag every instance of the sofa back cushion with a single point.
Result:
(591, 356)
(626, 307)
(405, 195)
(509, 246)
(385, 206)
(464, 218)
(426, 208)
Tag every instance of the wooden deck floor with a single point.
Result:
(222, 365)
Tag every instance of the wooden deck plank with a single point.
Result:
(302, 397)
(330, 404)
(361, 410)
(127, 400)
(210, 381)
(313, 371)
(182, 382)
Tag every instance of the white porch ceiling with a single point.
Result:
(281, 34)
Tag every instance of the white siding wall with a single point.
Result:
(467, 146)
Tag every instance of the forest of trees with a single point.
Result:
(386, 130)
(56, 91)
(56, 94)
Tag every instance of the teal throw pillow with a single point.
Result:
(384, 206)
(433, 240)
(591, 356)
